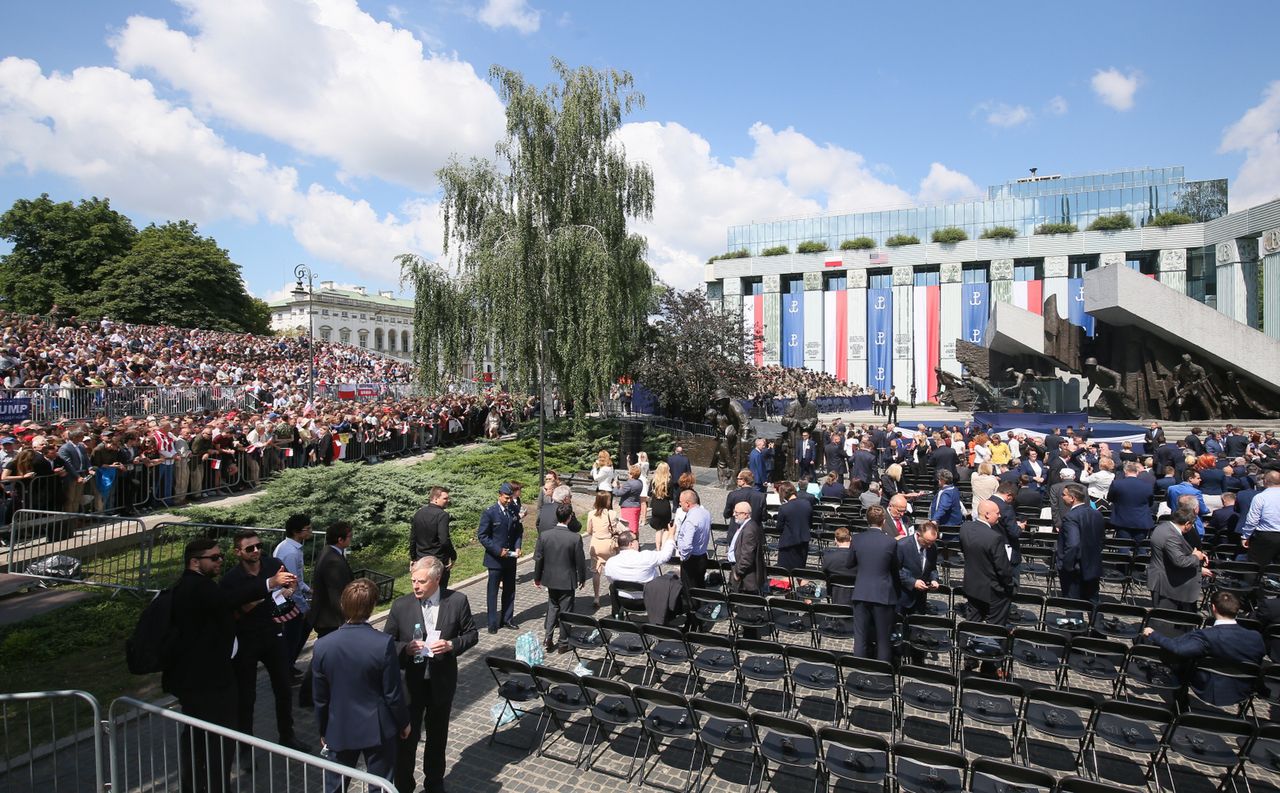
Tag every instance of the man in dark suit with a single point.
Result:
(835, 561)
(944, 458)
(500, 534)
(893, 406)
(679, 464)
(1131, 497)
(746, 492)
(946, 509)
(563, 494)
(1224, 640)
(988, 575)
(873, 554)
(746, 551)
(834, 457)
(806, 455)
(794, 522)
(331, 575)
(1079, 547)
(430, 667)
(1223, 520)
(1153, 438)
(917, 567)
(200, 672)
(360, 702)
(863, 464)
(1193, 442)
(1006, 493)
(760, 463)
(560, 564)
(429, 532)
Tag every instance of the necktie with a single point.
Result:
(898, 523)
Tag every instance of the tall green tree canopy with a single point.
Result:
(540, 240)
(57, 248)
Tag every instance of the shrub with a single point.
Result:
(858, 244)
(1115, 222)
(1167, 219)
(1000, 233)
(811, 246)
(949, 234)
(898, 240)
(1057, 228)
(777, 250)
(741, 253)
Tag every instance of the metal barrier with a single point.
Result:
(56, 403)
(154, 749)
(160, 554)
(51, 741)
(105, 545)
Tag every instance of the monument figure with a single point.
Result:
(1111, 394)
(732, 428)
(801, 416)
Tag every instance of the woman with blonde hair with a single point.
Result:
(660, 500)
(983, 483)
(602, 528)
(889, 485)
(602, 471)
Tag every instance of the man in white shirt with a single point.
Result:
(634, 565)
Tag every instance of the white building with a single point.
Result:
(378, 322)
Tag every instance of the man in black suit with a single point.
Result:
(200, 673)
(1079, 547)
(944, 458)
(1193, 442)
(893, 406)
(1131, 497)
(917, 567)
(360, 702)
(834, 457)
(988, 575)
(873, 555)
(1153, 438)
(563, 494)
(806, 455)
(1225, 640)
(1009, 524)
(679, 464)
(430, 666)
(331, 575)
(746, 492)
(746, 551)
(560, 564)
(835, 561)
(429, 532)
(863, 464)
(1223, 521)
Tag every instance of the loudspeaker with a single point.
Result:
(630, 441)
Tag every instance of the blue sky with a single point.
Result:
(310, 130)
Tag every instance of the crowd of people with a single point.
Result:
(779, 382)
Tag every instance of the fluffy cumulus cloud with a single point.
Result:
(1257, 134)
(511, 14)
(1115, 88)
(999, 114)
(944, 184)
(324, 77)
(1056, 106)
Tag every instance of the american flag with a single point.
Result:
(879, 258)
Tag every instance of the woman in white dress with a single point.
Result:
(602, 472)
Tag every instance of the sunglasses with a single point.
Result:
(252, 548)
(217, 557)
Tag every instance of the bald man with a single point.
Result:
(988, 573)
(897, 523)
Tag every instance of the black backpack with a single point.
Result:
(150, 648)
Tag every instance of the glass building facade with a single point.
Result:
(1022, 204)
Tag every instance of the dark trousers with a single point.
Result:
(806, 469)
(272, 652)
(1137, 535)
(559, 601)
(693, 572)
(1162, 602)
(305, 699)
(205, 758)
(506, 577)
(444, 574)
(1264, 547)
(993, 612)
(872, 625)
(433, 711)
(378, 760)
(296, 632)
(1073, 586)
(893, 414)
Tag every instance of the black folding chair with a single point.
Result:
(710, 608)
(515, 686)
(1148, 676)
(622, 639)
(816, 672)
(1026, 610)
(1173, 624)
(613, 711)
(923, 769)
(1132, 733)
(1060, 715)
(563, 701)
(750, 614)
(667, 719)
(870, 693)
(585, 639)
(667, 649)
(991, 776)
(1207, 745)
(927, 636)
(726, 729)
(980, 643)
(1067, 616)
(854, 757)
(1094, 664)
(713, 655)
(992, 703)
(788, 744)
(763, 664)
(1261, 761)
(834, 624)
(792, 621)
(1233, 684)
(627, 599)
(933, 693)
(1037, 656)
(1119, 621)
(1078, 784)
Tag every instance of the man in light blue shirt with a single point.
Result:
(1190, 486)
(297, 530)
(693, 534)
(1261, 526)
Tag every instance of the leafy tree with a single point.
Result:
(858, 244)
(694, 349)
(777, 250)
(1117, 221)
(1167, 219)
(57, 248)
(949, 234)
(898, 240)
(174, 276)
(811, 246)
(1000, 233)
(1057, 228)
(540, 240)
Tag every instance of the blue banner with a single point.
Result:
(14, 410)
(880, 339)
(793, 330)
(977, 300)
(1075, 305)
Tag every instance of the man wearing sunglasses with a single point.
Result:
(200, 672)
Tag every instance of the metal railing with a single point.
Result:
(160, 548)
(49, 404)
(51, 741)
(105, 547)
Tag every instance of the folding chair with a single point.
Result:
(809, 583)
(1037, 656)
(834, 623)
(1061, 715)
(1239, 578)
(710, 608)
(1094, 664)
(993, 703)
(627, 598)
(1026, 610)
(840, 588)
(1207, 744)
(1117, 575)
(582, 632)
(713, 654)
(991, 776)
(1119, 621)
(792, 621)
(870, 682)
(787, 743)
(667, 719)
(1036, 570)
(980, 643)
(855, 757)
(1147, 676)
(1173, 624)
(1267, 696)
(515, 686)
(930, 635)
(621, 640)
(727, 729)
(779, 580)
(1261, 761)
(764, 663)
(667, 648)
(613, 710)
(1078, 784)
(1067, 616)
(930, 692)
(939, 602)
(750, 613)
(1130, 731)
(563, 699)
(814, 671)
(923, 769)
(1222, 688)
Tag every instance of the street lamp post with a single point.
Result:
(304, 272)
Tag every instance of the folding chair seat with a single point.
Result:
(1208, 745)
(563, 700)
(1026, 610)
(930, 635)
(586, 641)
(978, 642)
(1119, 621)
(840, 588)
(1036, 569)
(1037, 656)
(788, 744)
(667, 719)
(1233, 682)
(613, 711)
(930, 692)
(1117, 575)
(869, 692)
(667, 649)
(855, 757)
(713, 654)
(992, 703)
(1130, 731)
(834, 623)
(1239, 578)
(1060, 715)
(1078, 784)
(1266, 701)
(809, 584)
(950, 561)
(726, 729)
(1094, 664)
(779, 581)
(1067, 616)
(515, 686)
(792, 621)
(1121, 545)
(627, 599)
(814, 671)
(622, 639)
(749, 613)
(1261, 761)
(1173, 624)
(763, 664)
(710, 608)
(924, 769)
(939, 602)
(991, 776)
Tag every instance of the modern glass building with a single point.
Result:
(1022, 204)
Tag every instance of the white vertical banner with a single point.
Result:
(902, 334)
(813, 329)
(920, 341)
(952, 325)
(857, 335)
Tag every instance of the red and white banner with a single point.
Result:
(836, 333)
(1029, 295)
(927, 339)
(833, 262)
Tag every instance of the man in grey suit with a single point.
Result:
(360, 702)
(560, 565)
(563, 494)
(746, 551)
(430, 667)
(1175, 568)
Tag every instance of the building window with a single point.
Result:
(325, 332)
(880, 279)
(974, 274)
(377, 339)
(1026, 272)
(404, 340)
(324, 312)
(837, 283)
(391, 340)
(344, 335)
(364, 338)
(362, 316)
(752, 286)
(792, 284)
(926, 276)
(279, 315)
(344, 314)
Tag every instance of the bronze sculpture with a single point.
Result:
(801, 416)
(733, 429)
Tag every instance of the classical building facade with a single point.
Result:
(380, 322)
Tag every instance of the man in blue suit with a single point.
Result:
(1079, 547)
(874, 556)
(360, 704)
(806, 455)
(1225, 641)
(946, 509)
(678, 462)
(500, 534)
(760, 463)
(917, 567)
(1131, 498)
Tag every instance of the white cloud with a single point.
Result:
(323, 77)
(511, 13)
(944, 184)
(999, 114)
(1056, 106)
(1115, 88)
(1257, 134)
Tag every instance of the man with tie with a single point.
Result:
(430, 665)
(759, 462)
(899, 523)
(1153, 438)
(946, 509)
(1079, 548)
(917, 568)
(746, 551)
(76, 470)
(560, 564)
(893, 406)
(873, 555)
(988, 575)
(806, 455)
(693, 533)
(500, 534)
(746, 492)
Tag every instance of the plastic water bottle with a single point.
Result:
(715, 612)
(418, 637)
(819, 590)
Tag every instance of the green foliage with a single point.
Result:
(1114, 222)
(858, 244)
(949, 234)
(898, 240)
(777, 250)
(1167, 219)
(1057, 228)
(1000, 233)
(57, 249)
(811, 246)
(741, 253)
(541, 240)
